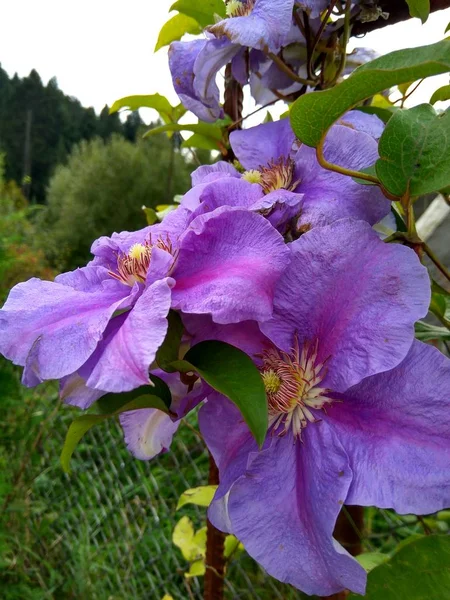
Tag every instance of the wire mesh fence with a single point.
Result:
(105, 531)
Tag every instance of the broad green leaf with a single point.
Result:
(370, 560)
(202, 496)
(200, 141)
(168, 351)
(232, 373)
(175, 28)
(313, 114)
(156, 101)
(419, 571)
(82, 424)
(419, 8)
(415, 152)
(440, 95)
(426, 332)
(203, 12)
(204, 129)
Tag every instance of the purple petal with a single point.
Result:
(229, 191)
(239, 67)
(395, 427)
(215, 55)
(354, 294)
(147, 432)
(268, 25)
(73, 391)
(279, 207)
(122, 359)
(229, 441)
(364, 122)
(313, 7)
(182, 57)
(52, 329)
(258, 146)
(204, 173)
(284, 509)
(228, 265)
(329, 196)
(245, 335)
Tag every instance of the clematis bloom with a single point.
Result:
(105, 322)
(358, 410)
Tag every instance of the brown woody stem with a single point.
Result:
(215, 559)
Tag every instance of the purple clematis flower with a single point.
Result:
(290, 180)
(358, 411)
(106, 321)
(194, 65)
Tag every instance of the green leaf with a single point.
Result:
(415, 152)
(112, 403)
(440, 303)
(426, 332)
(420, 570)
(200, 141)
(205, 129)
(156, 101)
(201, 496)
(169, 349)
(447, 28)
(203, 12)
(175, 28)
(150, 215)
(419, 8)
(440, 95)
(82, 424)
(232, 373)
(370, 560)
(313, 114)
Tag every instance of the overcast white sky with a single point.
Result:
(102, 50)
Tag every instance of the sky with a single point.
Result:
(102, 50)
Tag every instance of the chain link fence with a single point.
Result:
(104, 532)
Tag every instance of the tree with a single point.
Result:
(102, 189)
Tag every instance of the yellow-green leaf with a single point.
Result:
(441, 95)
(202, 496)
(202, 11)
(155, 101)
(197, 569)
(175, 28)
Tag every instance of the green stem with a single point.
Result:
(337, 169)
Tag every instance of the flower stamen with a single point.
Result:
(292, 383)
(133, 266)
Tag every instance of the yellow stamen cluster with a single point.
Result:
(239, 9)
(252, 176)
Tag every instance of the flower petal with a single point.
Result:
(356, 295)
(395, 427)
(364, 122)
(182, 57)
(284, 509)
(258, 146)
(52, 329)
(329, 196)
(228, 265)
(147, 432)
(268, 25)
(207, 173)
(122, 359)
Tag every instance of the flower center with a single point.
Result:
(292, 383)
(132, 267)
(278, 175)
(239, 9)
